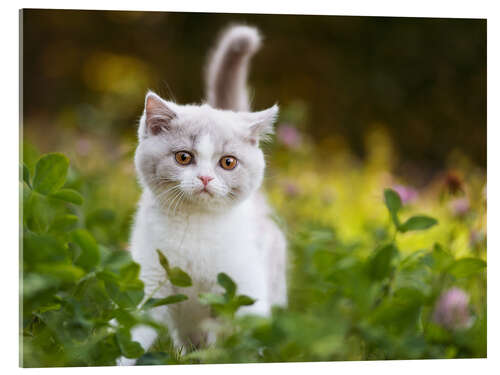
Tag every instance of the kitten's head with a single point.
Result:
(198, 156)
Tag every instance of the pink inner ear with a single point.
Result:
(158, 115)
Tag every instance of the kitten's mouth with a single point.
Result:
(205, 191)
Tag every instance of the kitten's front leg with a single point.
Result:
(253, 284)
(145, 336)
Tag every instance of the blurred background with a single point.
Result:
(423, 80)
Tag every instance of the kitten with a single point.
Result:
(201, 168)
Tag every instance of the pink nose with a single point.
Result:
(205, 179)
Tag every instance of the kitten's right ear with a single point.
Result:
(158, 114)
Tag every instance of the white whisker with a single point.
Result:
(180, 200)
(161, 194)
(178, 194)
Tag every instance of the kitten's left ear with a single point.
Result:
(261, 123)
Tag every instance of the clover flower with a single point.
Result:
(291, 189)
(452, 309)
(289, 136)
(406, 193)
(460, 206)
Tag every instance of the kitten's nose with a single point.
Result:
(205, 179)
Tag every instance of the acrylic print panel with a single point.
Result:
(238, 188)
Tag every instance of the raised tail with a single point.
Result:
(227, 69)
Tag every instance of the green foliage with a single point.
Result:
(367, 292)
(68, 195)
(228, 303)
(418, 222)
(155, 302)
(346, 304)
(176, 276)
(393, 203)
(467, 267)
(379, 267)
(72, 286)
(50, 173)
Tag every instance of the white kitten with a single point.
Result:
(201, 169)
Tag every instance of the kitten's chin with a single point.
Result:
(209, 201)
(199, 202)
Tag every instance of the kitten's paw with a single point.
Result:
(123, 361)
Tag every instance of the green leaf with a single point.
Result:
(89, 256)
(179, 278)
(64, 223)
(129, 277)
(467, 267)
(379, 266)
(68, 195)
(43, 249)
(176, 276)
(26, 175)
(420, 222)
(155, 302)
(211, 299)
(393, 204)
(129, 348)
(123, 298)
(50, 173)
(34, 284)
(442, 259)
(163, 260)
(108, 276)
(129, 272)
(50, 307)
(39, 212)
(64, 272)
(227, 283)
(125, 318)
(243, 300)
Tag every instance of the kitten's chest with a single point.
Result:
(205, 246)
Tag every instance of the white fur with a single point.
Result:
(228, 229)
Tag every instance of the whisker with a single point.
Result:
(180, 200)
(178, 194)
(165, 198)
(169, 189)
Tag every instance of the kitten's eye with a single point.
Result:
(183, 157)
(228, 162)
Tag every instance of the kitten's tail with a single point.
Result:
(227, 68)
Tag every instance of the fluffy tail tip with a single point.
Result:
(241, 39)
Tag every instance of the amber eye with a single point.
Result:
(183, 157)
(228, 162)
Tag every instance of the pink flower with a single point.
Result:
(452, 309)
(460, 206)
(291, 189)
(406, 193)
(289, 136)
